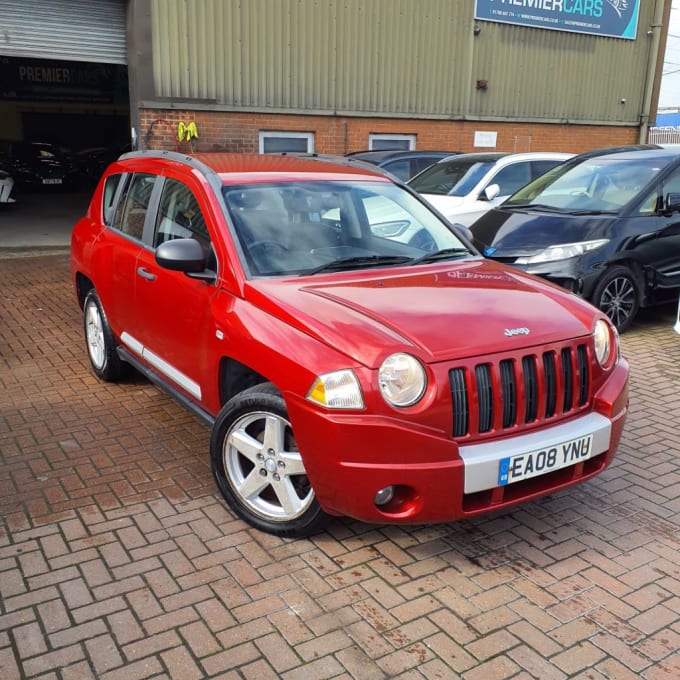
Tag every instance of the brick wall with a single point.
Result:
(229, 131)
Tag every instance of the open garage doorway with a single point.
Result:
(64, 108)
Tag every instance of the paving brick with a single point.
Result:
(119, 560)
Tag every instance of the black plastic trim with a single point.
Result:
(156, 379)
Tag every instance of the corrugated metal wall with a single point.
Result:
(391, 58)
(64, 29)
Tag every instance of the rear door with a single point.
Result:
(119, 246)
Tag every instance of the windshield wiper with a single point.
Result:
(440, 255)
(535, 206)
(360, 261)
(593, 212)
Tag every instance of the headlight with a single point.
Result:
(339, 389)
(606, 341)
(561, 252)
(402, 380)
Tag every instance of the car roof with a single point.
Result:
(633, 152)
(385, 155)
(264, 167)
(493, 156)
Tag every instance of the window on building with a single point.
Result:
(291, 142)
(391, 142)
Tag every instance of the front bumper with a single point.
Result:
(350, 457)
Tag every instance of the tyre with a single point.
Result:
(617, 294)
(257, 466)
(101, 346)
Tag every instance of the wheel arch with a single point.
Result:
(235, 377)
(629, 263)
(83, 286)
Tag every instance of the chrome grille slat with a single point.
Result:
(519, 391)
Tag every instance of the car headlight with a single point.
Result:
(402, 380)
(339, 389)
(606, 341)
(561, 252)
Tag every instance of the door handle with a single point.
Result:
(146, 274)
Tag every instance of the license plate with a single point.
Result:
(540, 462)
(52, 181)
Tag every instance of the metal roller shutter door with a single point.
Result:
(76, 30)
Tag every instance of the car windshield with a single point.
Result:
(451, 178)
(308, 227)
(591, 185)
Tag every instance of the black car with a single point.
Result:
(402, 164)
(605, 225)
(42, 165)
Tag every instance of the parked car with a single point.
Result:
(40, 165)
(6, 186)
(605, 225)
(403, 164)
(343, 372)
(464, 187)
(677, 320)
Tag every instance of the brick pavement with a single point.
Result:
(119, 560)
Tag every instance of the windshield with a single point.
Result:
(451, 178)
(307, 227)
(591, 185)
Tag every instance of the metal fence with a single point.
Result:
(664, 135)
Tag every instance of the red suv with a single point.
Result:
(353, 353)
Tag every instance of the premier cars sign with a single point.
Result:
(613, 18)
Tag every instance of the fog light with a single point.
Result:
(384, 496)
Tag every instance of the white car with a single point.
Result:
(677, 320)
(6, 184)
(465, 186)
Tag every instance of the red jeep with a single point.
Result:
(352, 351)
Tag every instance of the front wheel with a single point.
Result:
(257, 466)
(617, 294)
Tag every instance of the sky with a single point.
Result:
(669, 95)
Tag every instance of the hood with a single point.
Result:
(438, 312)
(522, 232)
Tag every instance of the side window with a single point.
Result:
(672, 183)
(133, 206)
(511, 178)
(419, 164)
(539, 168)
(400, 169)
(110, 188)
(179, 215)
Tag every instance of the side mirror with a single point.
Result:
(672, 202)
(181, 255)
(490, 192)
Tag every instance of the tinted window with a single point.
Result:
(133, 206)
(400, 169)
(455, 178)
(511, 178)
(110, 187)
(179, 215)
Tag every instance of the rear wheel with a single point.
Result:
(101, 345)
(617, 294)
(258, 468)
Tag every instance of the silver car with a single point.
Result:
(6, 185)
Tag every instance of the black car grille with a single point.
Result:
(519, 391)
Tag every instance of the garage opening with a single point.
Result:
(64, 99)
